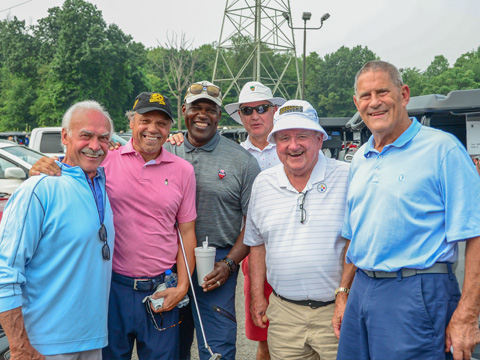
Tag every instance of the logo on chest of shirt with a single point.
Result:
(322, 187)
(221, 174)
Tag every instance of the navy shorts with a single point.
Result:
(398, 318)
(128, 320)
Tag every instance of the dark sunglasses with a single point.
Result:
(260, 109)
(154, 322)
(199, 88)
(102, 234)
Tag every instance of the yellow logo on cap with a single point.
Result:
(158, 98)
(290, 109)
(134, 105)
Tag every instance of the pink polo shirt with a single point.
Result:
(147, 199)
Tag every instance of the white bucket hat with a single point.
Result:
(251, 92)
(296, 114)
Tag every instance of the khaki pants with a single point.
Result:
(300, 332)
(82, 355)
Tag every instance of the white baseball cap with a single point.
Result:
(251, 92)
(203, 90)
(296, 114)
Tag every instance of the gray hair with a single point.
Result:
(84, 105)
(130, 114)
(379, 65)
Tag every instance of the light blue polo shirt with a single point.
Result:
(408, 205)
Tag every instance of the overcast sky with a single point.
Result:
(407, 33)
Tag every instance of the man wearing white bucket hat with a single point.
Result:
(295, 240)
(254, 110)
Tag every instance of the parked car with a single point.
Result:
(3, 201)
(125, 135)
(4, 348)
(48, 141)
(15, 162)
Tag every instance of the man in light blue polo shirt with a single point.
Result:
(413, 195)
(56, 242)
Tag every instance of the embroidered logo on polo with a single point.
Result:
(252, 88)
(166, 182)
(400, 178)
(322, 187)
(221, 174)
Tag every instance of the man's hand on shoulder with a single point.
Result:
(112, 145)
(46, 166)
(176, 139)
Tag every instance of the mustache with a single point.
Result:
(90, 152)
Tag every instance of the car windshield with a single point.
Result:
(23, 153)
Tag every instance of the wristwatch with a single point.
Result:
(232, 266)
(342, 289)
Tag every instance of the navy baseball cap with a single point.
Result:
(148, 101)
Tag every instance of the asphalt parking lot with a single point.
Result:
(246, 349)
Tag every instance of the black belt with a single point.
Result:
(141, 284)
(312, 303)
(437, 268)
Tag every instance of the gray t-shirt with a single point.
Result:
(224, 172)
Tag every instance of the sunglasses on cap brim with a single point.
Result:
(211, 90)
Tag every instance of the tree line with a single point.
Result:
(73, 55)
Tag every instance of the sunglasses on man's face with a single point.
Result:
(211, 90)
(260, 109)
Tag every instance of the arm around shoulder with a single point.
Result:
(46, 166)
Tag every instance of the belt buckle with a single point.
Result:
(138, 280)
(313, 305)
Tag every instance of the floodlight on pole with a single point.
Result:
(305, 17)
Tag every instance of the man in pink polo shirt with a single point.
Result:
(150, 190)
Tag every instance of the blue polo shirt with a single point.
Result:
(409, 204)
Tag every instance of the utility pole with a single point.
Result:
(259, 27)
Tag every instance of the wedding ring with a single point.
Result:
(218, 283)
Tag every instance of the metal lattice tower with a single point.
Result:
(259, 29)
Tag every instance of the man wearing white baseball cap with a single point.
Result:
(254, 110)
(293, 229)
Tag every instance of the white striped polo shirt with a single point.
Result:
(304, 261)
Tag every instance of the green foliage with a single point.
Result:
(415, 80)
(329, 81)
(73, 55)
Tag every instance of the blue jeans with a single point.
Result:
(398, 318)
(221, 333)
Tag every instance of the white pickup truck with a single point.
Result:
(48, 140)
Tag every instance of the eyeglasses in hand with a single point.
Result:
(154, 322)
